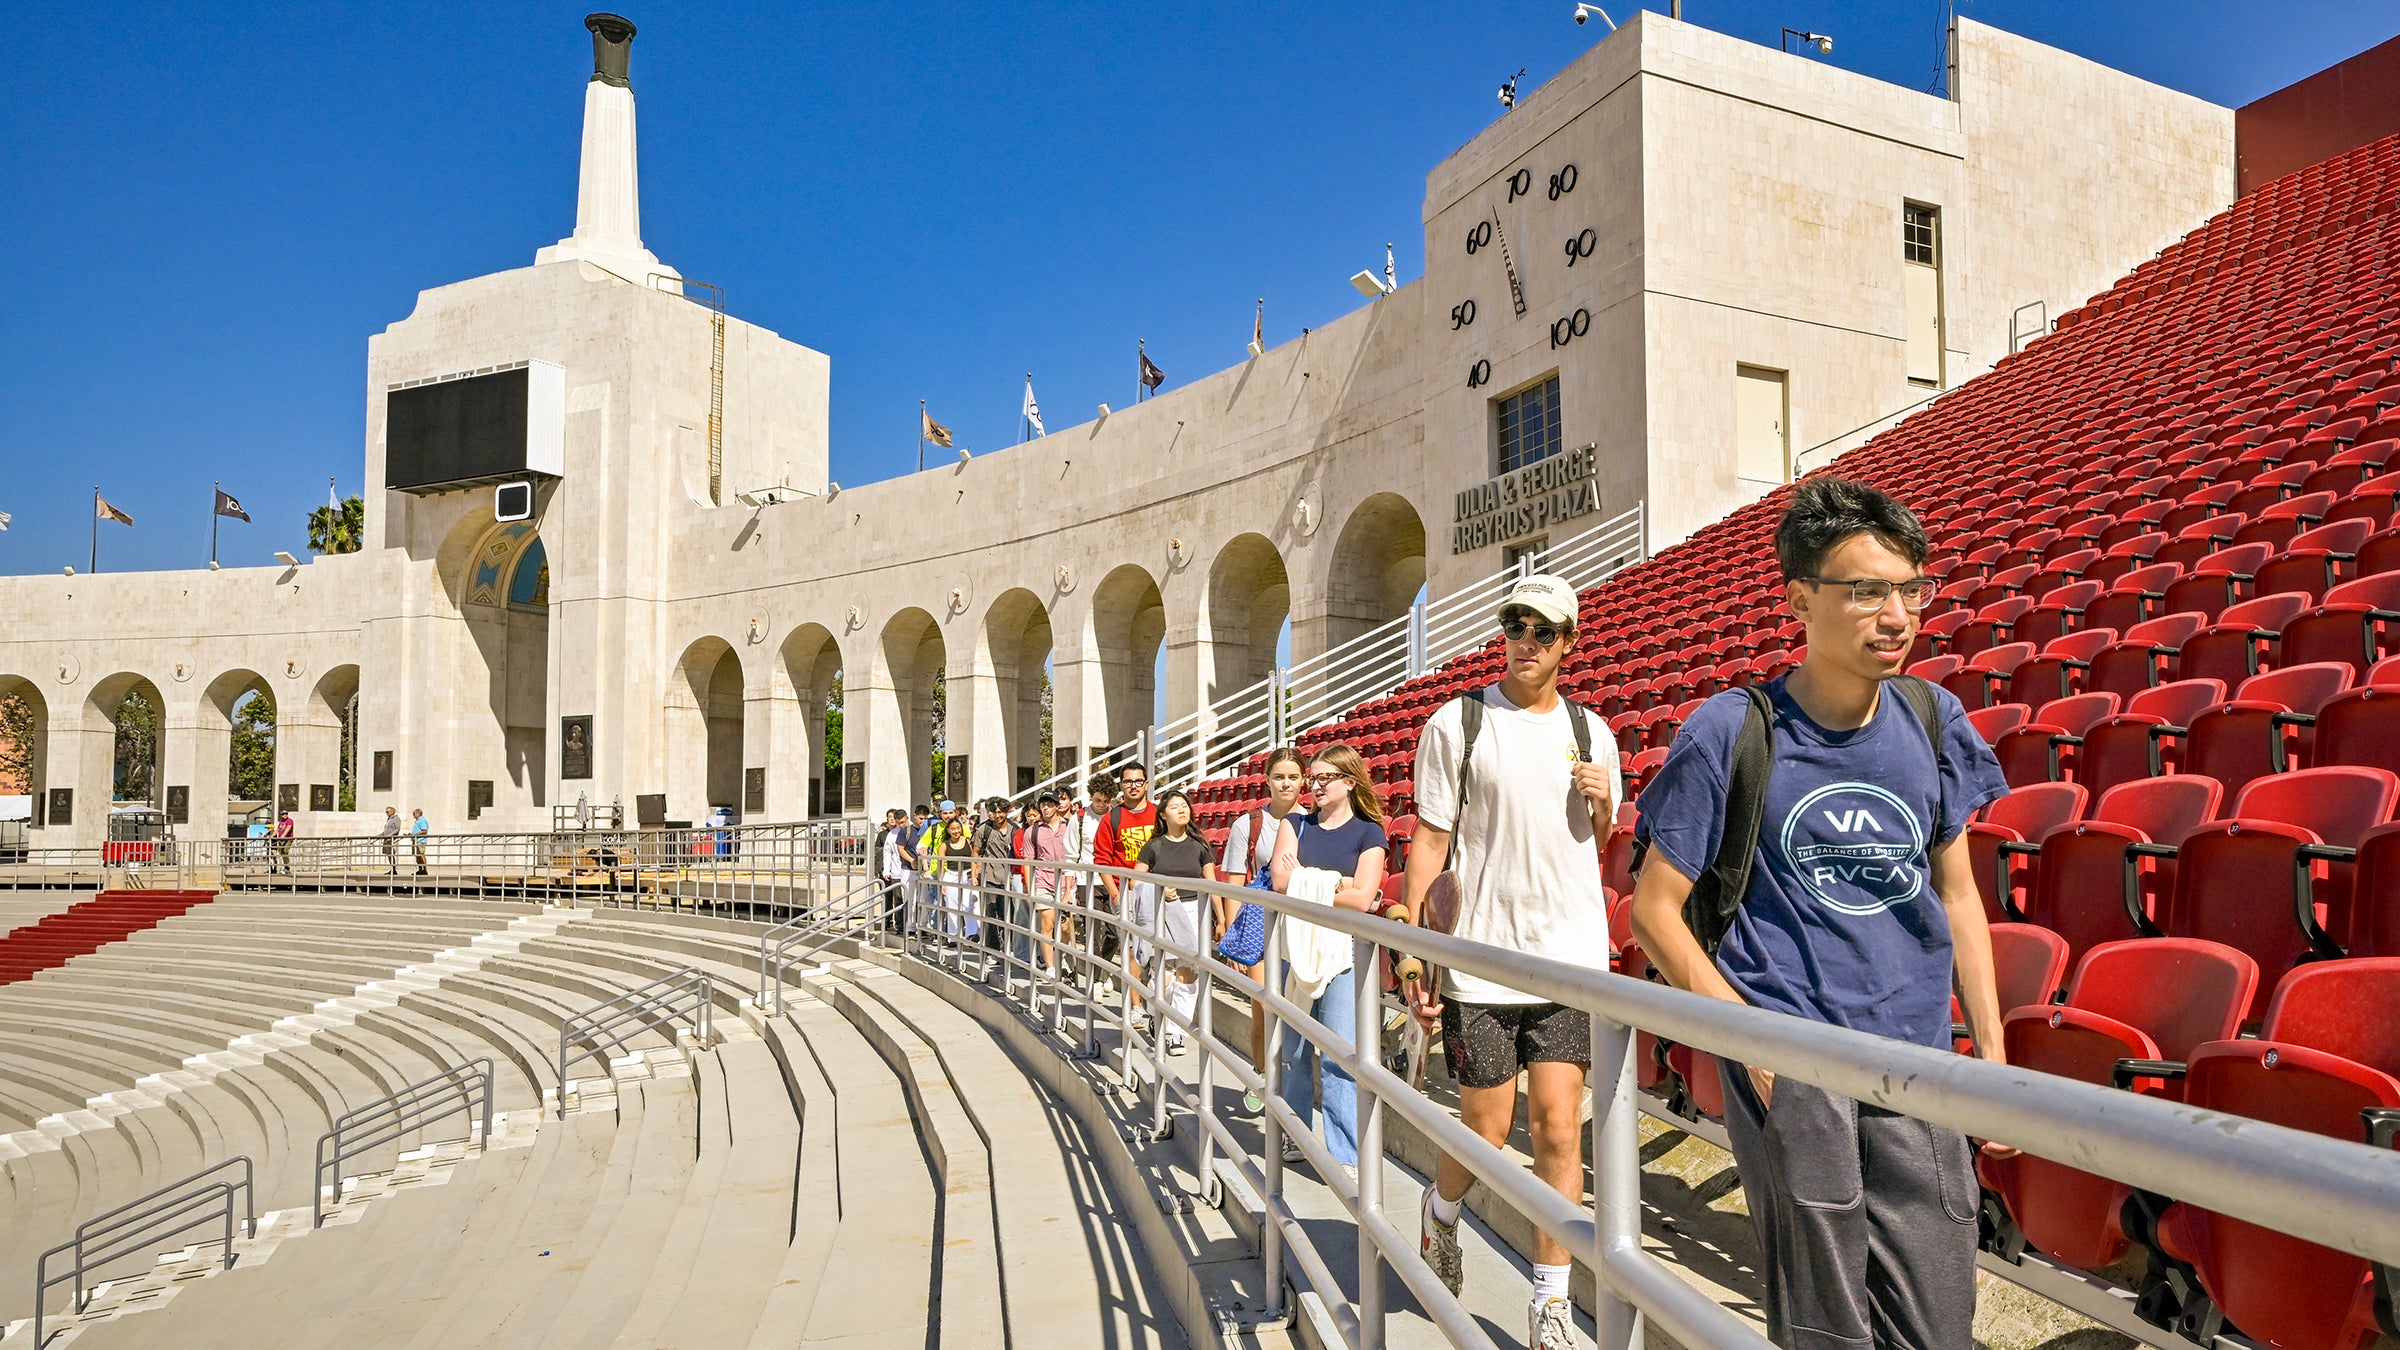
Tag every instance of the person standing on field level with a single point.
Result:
(1521, 817)
(1859, 910)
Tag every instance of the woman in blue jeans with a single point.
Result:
(1343, 835)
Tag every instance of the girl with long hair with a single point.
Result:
(1249, 850)
(1178, 849)
(1342, 836)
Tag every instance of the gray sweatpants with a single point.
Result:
(1865, 1218)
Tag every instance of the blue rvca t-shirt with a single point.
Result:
(1841, 923)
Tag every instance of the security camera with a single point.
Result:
(1584, 13)
(1825, 45)
(1580, 16)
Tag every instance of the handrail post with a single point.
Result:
(1270, 1231)
(1616, 1181)
(1366, 1048)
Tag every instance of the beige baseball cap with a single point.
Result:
(1548, 596)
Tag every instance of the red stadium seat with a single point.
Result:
(2025, 814)
(2235, 647)
(2315, 561)
(2151, 1000)
(2217, 580)
(2141, 656)
(1994, 722)
(2078, 890)
(2137, 595)
(2029, 964)
(2128, 746)
(2055, 670)
(2278, 1289)
(2348, 626)
(2263, 728)
(2234, 878)
(2359, 726)
(1976, 683)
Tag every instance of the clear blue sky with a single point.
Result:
(208, 208)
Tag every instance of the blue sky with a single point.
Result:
(208, 208)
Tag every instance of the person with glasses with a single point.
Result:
(1249, 852)
(1123, 829)
(1344, 836)
(1859, 910)
(1516, 791)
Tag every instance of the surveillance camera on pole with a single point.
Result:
(1584, 13)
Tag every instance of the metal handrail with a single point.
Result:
(1319, 688)
(1798, 470)
(389, 1118)
(170, 1211)
(611, 1022)
(2333, 1192)
(820, 931)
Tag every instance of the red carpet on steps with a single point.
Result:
(107, 917)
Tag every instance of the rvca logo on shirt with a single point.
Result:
(1858, 848)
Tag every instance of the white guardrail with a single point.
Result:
(1213, 740)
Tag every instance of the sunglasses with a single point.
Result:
(1543, 633)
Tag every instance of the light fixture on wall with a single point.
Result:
(776, 495)
(286, 559)
(1822, 43)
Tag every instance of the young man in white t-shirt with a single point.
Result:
(1526, 847)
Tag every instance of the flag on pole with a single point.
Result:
(227, 506)
(332, 498)
(1152, 376)
(1258, 329)
(104, 511)
(3, 520)
(934, 431)
(1033, 410)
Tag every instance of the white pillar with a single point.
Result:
(608, 197)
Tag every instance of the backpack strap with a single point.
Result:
(1582, 722)
(1929, 715)
(1718, 891)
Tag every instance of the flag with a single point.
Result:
(1258, 329)
(1033, 410)
(3, 520)
(332, 498)
(1152, 376)
(227, 506)
(107, 512)
(934, 431)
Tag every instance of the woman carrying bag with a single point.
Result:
(1332, 856)
(1249, 846)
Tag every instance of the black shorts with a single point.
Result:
(1489, 1044)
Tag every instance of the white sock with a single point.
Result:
(1446, 1212)
(1184, 998)
(1550, 1282)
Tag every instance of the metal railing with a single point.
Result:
(2340, 1194)
(864, 909)
(1843, 444)
(607, 1025)
(755, 869)
(1218, 737)
(204, 1197)
(464, 1088)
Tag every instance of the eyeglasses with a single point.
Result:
(1132, 782)
(1868, 594)
(1543, 634)
(1326, 779)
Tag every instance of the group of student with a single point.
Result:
(1805, 852)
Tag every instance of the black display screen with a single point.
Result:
(456, 431)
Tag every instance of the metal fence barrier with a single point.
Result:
(864, 909)
(137, 1226)
(607, 1025)
(466, 1088)
(2341, 1194)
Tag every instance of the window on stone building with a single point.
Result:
(1529, 431)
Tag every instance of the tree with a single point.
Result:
(347, 799)
(338, 531)
(941, 711)
(16, 744)
(832, 801)
(137, 749)
(251, 777)
(1043, 767)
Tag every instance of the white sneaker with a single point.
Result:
(1437, 1242)
(1174, 1043)
(1292, 1153)
(1550, 1325)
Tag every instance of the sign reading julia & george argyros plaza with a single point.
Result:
(1517, 504)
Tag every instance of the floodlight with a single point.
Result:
(1369, 285)
(286, 559)
(963, 456)
(1104, 410)
(775, 495)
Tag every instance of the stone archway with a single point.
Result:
(1015, 660)
(25, 743)
(1129, 625)
(803, 768)
(1248, 607)
(230, 757)
(1376, 570)
(914, 660)
(704, 730)
(124, 744)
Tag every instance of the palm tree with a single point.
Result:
(342, 531)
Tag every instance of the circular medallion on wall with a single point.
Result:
(183, 672)
(1066, 578)
(295, 667)
(68, 669)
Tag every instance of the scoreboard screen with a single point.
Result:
(475, 429)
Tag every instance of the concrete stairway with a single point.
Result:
(872, 1169)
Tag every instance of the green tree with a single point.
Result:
(16, 742)
(832, 800)
(252, 774)
(137, 749)
(1042, 768)
(338, 531)
(348, 796)
(941, 712)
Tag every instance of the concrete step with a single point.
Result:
(1069, 1270)
(734, 1266)
(879, 1276)
(815, 1214)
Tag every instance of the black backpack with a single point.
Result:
(1470, 724)
(1718, 891)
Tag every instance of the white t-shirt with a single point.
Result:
(1528, 867)
(1238, 843)
(893, 868)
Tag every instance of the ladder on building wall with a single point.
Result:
(1215, 739)
(711, 297)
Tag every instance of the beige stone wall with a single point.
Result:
(1743, 206)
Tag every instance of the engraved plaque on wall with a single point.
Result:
(62, 806)
(320, 796)
(575, 747)
(287, 797)
(179, 805)
(383, 771)
(650, 808)
(754, 791)
(854, 786)
(479, 797)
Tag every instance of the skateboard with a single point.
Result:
(1440, 916)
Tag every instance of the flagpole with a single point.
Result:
(218, 486)
(1141, 387)
(922, 414)
(95, 527)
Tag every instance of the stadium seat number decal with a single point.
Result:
(1479, 374)
(1520, 184)
(1581, 246)
(1480, 236)
(1571, 327)
(1462, 314)
(1562, 182)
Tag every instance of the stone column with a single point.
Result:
(83, 756)
(875, 733)
(308, 746)
(975, 724)
(775, 726)
(199, 755)
(1078, 711)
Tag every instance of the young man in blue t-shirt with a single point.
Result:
(1861, 911)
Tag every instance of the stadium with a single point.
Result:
(584, 1071)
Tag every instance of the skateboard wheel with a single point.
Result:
(1408, 968)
